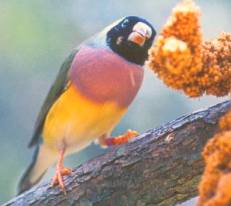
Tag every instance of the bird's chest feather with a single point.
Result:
(74, 120)
(101, 75)
(102, 85)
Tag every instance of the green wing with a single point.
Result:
(55, 91)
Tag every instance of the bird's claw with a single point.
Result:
(58, 177)
(122, 138)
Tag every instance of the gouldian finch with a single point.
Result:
(93, 89)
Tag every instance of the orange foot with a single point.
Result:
(60, 172)
(58, 177)
(121, 138)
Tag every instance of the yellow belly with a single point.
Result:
(74, 121)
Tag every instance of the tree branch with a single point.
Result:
(162, 167)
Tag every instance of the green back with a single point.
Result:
(55, 91)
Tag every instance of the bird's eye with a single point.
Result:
(125, 23)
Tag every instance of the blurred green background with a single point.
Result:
(36, 36)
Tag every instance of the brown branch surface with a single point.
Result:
(161, 167)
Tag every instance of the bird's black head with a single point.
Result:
(131, 38)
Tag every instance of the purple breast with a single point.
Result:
(101, 75)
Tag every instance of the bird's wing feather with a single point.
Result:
(55, 91)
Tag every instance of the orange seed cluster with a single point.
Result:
(176, 56)
(225, 122)
(216, 77)
(215, 185)
(184, 62)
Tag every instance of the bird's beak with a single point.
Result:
(140, 33)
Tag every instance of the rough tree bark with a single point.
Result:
(160, 167)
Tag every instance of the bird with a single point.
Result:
(92, 91)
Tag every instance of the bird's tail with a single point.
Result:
(42, 159)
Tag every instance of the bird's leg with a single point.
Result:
(60, 172)
(121, 139)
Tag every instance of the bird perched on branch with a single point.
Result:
(93, 89)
